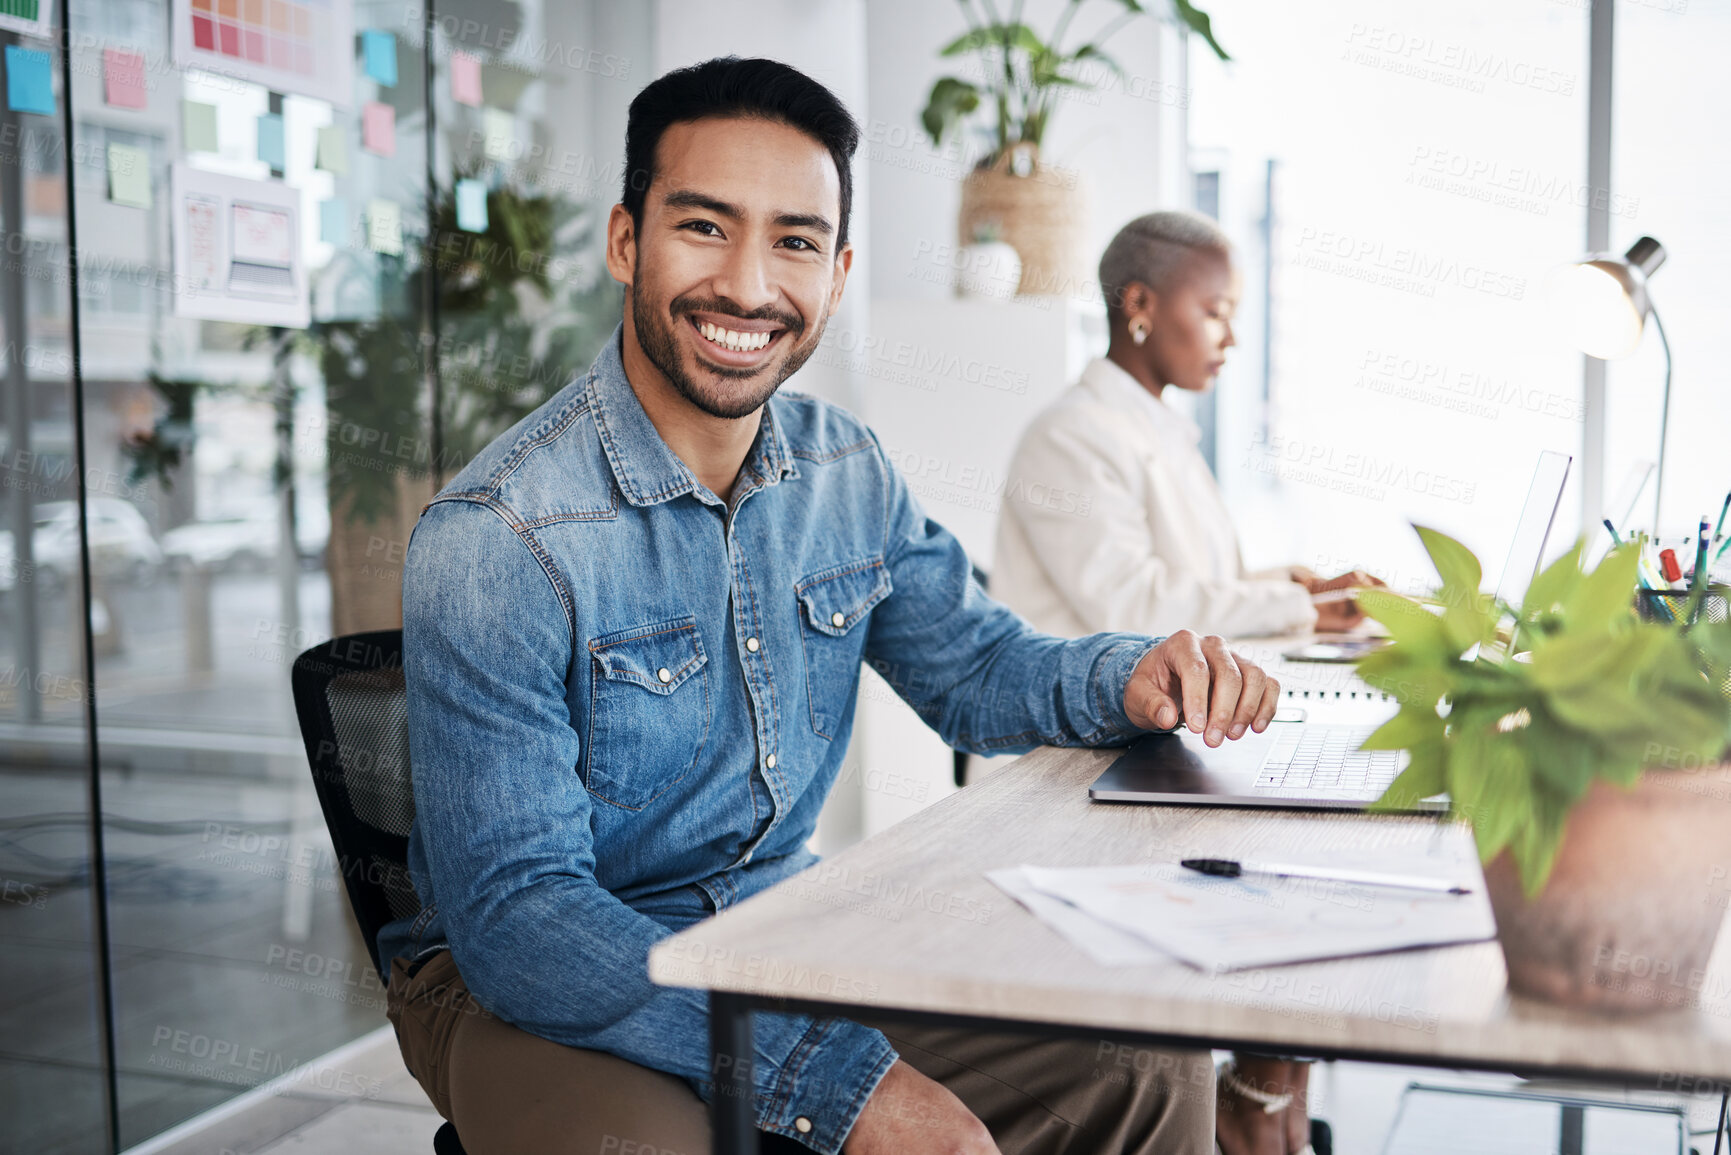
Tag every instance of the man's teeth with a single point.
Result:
(739, 342)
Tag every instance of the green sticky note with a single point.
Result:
(333, 150)
(29, 81)
(270, 141)
(334, 221)
(129, 176)
(471, 206)
(198, 126)
(385, 227)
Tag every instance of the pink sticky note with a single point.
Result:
(379, 129)
(123, 73)
(465, 79)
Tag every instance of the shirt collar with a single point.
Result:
(648, 471)
(1113, 385)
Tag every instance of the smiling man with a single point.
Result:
(633, 631)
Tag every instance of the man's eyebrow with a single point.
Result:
(692, 199)
(816, 222)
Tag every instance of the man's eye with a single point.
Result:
(707, 228)
(800, 244)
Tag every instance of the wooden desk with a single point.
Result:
(907, 923)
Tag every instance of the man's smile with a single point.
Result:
(735, 342)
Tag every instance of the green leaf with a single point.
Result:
(1607, 594)
(1095, 52)
(1407, 730)
(995, 36)
(1198, 22)
(952, 98)
(1423, 778)
(1554, 584)
(1407, 621)
(1455, 563)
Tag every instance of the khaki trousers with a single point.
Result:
(512, 1093)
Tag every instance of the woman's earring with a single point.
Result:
(1138, 332)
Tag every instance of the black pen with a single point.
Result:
(1231, 868)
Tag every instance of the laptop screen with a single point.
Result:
(1527, 550)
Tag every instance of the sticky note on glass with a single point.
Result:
(198, 126)
(29, 81)
(466, 79)
(500, 129)
(385, 227)
(333, 149)
(379, 56)
(379, 129)
(123, 78)
(270, 148)
(471, 206)
(129, 176)
(334, 221)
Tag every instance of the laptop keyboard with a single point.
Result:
(1327, 758)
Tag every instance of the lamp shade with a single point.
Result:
(1600, 303)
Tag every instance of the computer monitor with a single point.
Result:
(1527, 550)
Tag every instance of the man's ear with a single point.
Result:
(838, 280)
(621, 245)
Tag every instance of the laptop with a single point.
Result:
(1305, 765)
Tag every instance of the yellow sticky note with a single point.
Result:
(385, 227)
(333, 150)
(129, 176)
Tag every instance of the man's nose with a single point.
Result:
(744, 279)
(1229, 340)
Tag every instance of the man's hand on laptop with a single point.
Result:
(909, 1112)
(1198, 682)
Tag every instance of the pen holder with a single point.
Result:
(1669, 605)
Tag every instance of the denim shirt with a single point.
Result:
(629, 698)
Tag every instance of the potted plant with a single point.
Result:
(1036, 208)
(1586, 748)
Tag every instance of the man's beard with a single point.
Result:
(655, 336)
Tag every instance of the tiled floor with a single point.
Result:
(360, 1101)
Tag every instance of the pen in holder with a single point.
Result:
(1670, 605)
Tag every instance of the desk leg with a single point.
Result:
(730, 1057)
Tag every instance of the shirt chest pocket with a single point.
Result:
(649, 710)
(834, 603)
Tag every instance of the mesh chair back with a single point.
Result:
(354, 719)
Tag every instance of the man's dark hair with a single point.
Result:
(729, 86)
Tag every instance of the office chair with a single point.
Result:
(354, 719)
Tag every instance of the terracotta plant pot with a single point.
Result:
(1042, 215)
(1629, 916)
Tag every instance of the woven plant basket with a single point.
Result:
(1041, 215)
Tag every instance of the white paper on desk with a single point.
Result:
(1104, 943)
(1224, 924)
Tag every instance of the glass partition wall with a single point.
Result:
(326, 252)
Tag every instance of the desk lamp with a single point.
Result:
(1601, 301)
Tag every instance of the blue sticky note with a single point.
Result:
(379, 51)
(471, 206)
(29, 81)
(334, 221)
(270, 148)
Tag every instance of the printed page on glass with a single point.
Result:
(237, 250)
